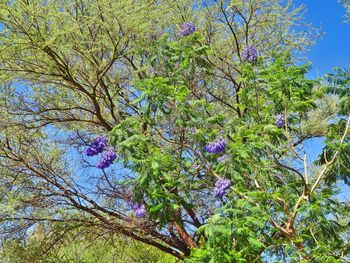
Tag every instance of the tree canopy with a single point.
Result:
(183, 125)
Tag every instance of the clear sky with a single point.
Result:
(333, 49)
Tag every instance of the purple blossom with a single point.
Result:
(187, 28)
(216, 147)
(108, 158)
(222, 158)
(221, 187)
(97, 146)
(250, 54)
(280, 122)
(279, 176)
(192, 130)
(139, 209)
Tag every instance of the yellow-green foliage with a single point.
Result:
(78, 246)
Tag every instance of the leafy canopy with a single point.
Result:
(208, 116)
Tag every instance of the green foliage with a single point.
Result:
(79, 246)
(338, 85)
(72, 70)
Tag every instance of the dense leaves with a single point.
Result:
(208, 118)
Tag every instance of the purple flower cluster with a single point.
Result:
(192, 130)
(250, 54)
(187, 29)
(97, 146)
(222, 158)
(108, 158)
(279, 176)
(216, 147)
(139, 209)
(280, 122)
(221, 187)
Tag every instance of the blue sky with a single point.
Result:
(333, 49)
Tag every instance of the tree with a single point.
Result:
(49, 243)
(207, 122)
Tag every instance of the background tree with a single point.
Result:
(49, 243)
(207, 122)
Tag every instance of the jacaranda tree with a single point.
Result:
(185, 125)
